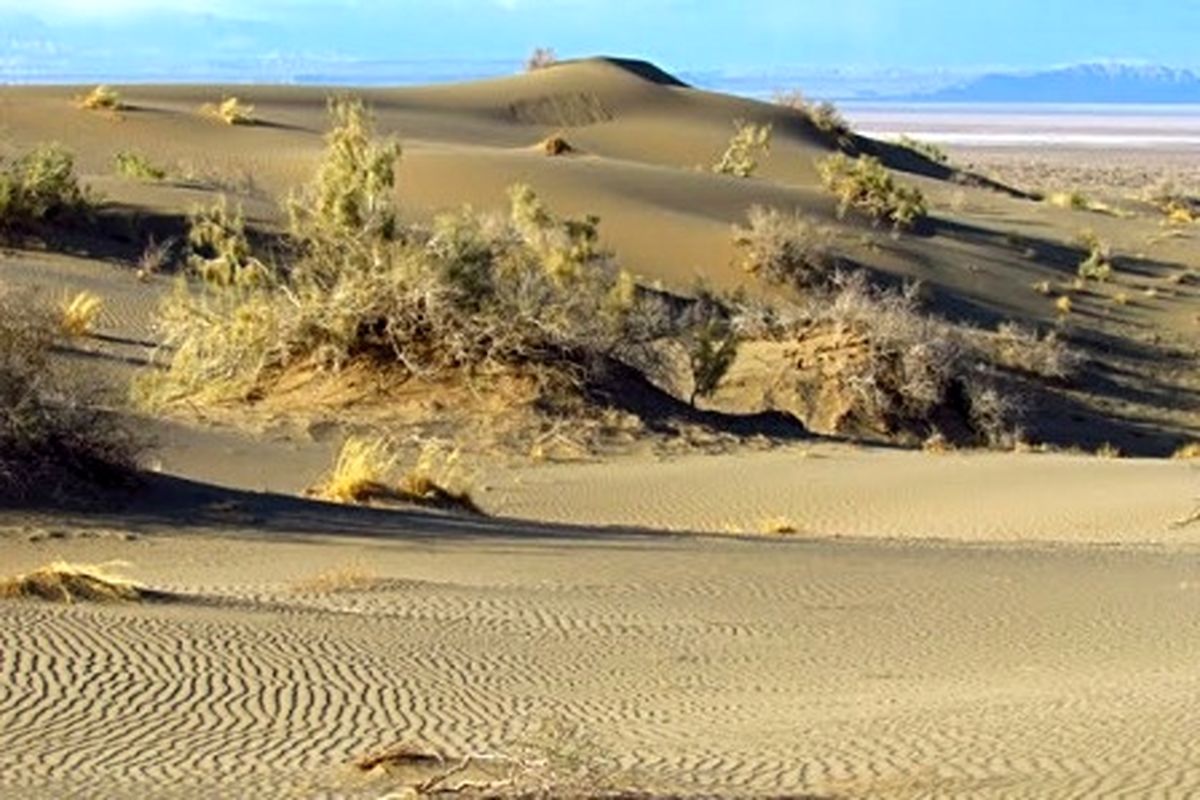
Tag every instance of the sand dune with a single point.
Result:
(1027, 629)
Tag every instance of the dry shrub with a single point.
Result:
(231, 111)
(1073, 200)
(541, 58)
(901, 372)
(864, 184)
(749, 143)
(824, 116)
(101, 98)
(1020, 348)
(62, 582)
(711, 343)
(469, 295)
(1064, 305)
(40, 187)
(79, 313)
(787, 249)
(926, 150)
(55, 444)
(556, 145)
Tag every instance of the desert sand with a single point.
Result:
(763, 614)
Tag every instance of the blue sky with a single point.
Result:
(69, 37)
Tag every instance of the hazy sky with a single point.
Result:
(679, 34)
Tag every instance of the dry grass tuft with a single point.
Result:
(438, 479)
(361, 471)
(1187, 452)
(1064, 305)
(62, 582)
(1074, 200)
(80, 312)
(231, 111)
(1108, 450)
(102, 98)
(556, 145)
(132, 164)
(777, 526)
(338, 579)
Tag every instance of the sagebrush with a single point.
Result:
(750, 142)
(787, 249)
(864, 184)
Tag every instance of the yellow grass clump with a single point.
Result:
(338, 579)
(556, 145)
(438, 479)
(1063, 305)
(80, 312)
(63, 582)
(778, 526)
(102, 98)
(360, 472)
(231, 111)
(1188, 451)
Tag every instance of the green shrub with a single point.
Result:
(786, 249)
(39, 187)
(1097, 265)
(749, 143)
(864, 184)
(712, 346)
(132, 164)
(218, 249)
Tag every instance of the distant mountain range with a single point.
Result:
(1084, 83)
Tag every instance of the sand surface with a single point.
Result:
(863, 622)
(739, 667)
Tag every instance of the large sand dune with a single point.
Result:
(865, 622)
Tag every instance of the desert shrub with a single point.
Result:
(351, 197)
(711, 343)
(1073, 200)
(556, 145)
(231, 111)
(749, 143)
(1020, 348)
(905, 373)
(1097, 265)
(825, 116)
(55, 445)
(40, 187)
(925, 149)
(541, 58)
(864, 184)
(787, 249)
(132, 164)
(101, 98)
(218, 249)
(470, 294)
(361, 471)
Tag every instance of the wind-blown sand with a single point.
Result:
(738, 667)
(962, 624)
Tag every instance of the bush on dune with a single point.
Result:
(470, 294)
(864, 184)
(54, 444)
(38, 188)
(787, 249)
(749, 143)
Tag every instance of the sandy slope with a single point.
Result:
(740, 667)
(987, 664)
